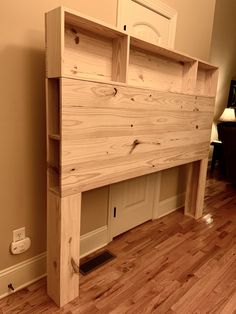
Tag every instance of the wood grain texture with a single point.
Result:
(207, 82)
(91, 24)
(54, 38)
(189, 77)
(161, 51)
(111, 133)
(211, 82)
(154, 71)
(196, 188)
(171, 265)
(87, 55)
(120, 59)
(63, 227)
(53, 134)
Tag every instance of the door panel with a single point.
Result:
(145, 23)
(133, 203)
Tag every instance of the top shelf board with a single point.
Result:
(89, 24)
(171, 54)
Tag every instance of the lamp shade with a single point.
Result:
(228, 115)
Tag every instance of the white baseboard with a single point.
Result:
(93, 241)
(23, 274)
(170, 204)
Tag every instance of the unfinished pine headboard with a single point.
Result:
(117, 108)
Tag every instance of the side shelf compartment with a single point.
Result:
(53, 134)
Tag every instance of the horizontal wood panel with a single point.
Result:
(105, 148)
(89, 123)
(111, 133)
(129, 97)
(89, 175)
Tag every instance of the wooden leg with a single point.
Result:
(195, 191)
(63, 239)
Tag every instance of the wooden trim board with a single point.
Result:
(22, 274)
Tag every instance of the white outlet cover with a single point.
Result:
(21, 246)
(18, 234)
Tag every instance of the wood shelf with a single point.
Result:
(161, 51)
(118, 107)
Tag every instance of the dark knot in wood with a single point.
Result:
(135, 143)
(73, 30)
(115, 91)
(77, 39)
(74, 266)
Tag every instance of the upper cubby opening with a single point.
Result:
(156, 67)
(207, 77)
(84, 48)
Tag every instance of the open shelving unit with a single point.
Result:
(117, 108)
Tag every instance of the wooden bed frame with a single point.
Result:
(117, 108)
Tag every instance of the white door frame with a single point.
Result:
(156, 6)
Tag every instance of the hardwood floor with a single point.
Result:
(171, 265)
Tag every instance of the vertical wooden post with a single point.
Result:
(63, 227)
(189, 77)
(195, 192)
(120, 59)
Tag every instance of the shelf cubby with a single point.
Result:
(155, 71)
(88, 50)
(53, 133)
(53, 106)
(159, 68)
(207, 77)
(53, 164)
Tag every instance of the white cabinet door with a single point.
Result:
(151, 20)
(131, 203)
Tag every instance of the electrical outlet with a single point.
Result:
(21, 246)
(19, 234)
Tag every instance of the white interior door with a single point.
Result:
(131, 203)
(150, 20)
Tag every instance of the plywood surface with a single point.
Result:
(111, 133)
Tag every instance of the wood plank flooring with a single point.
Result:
(171, 265)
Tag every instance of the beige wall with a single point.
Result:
(194, 26)
(22, 114)
(22, 158)
(223, 52)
